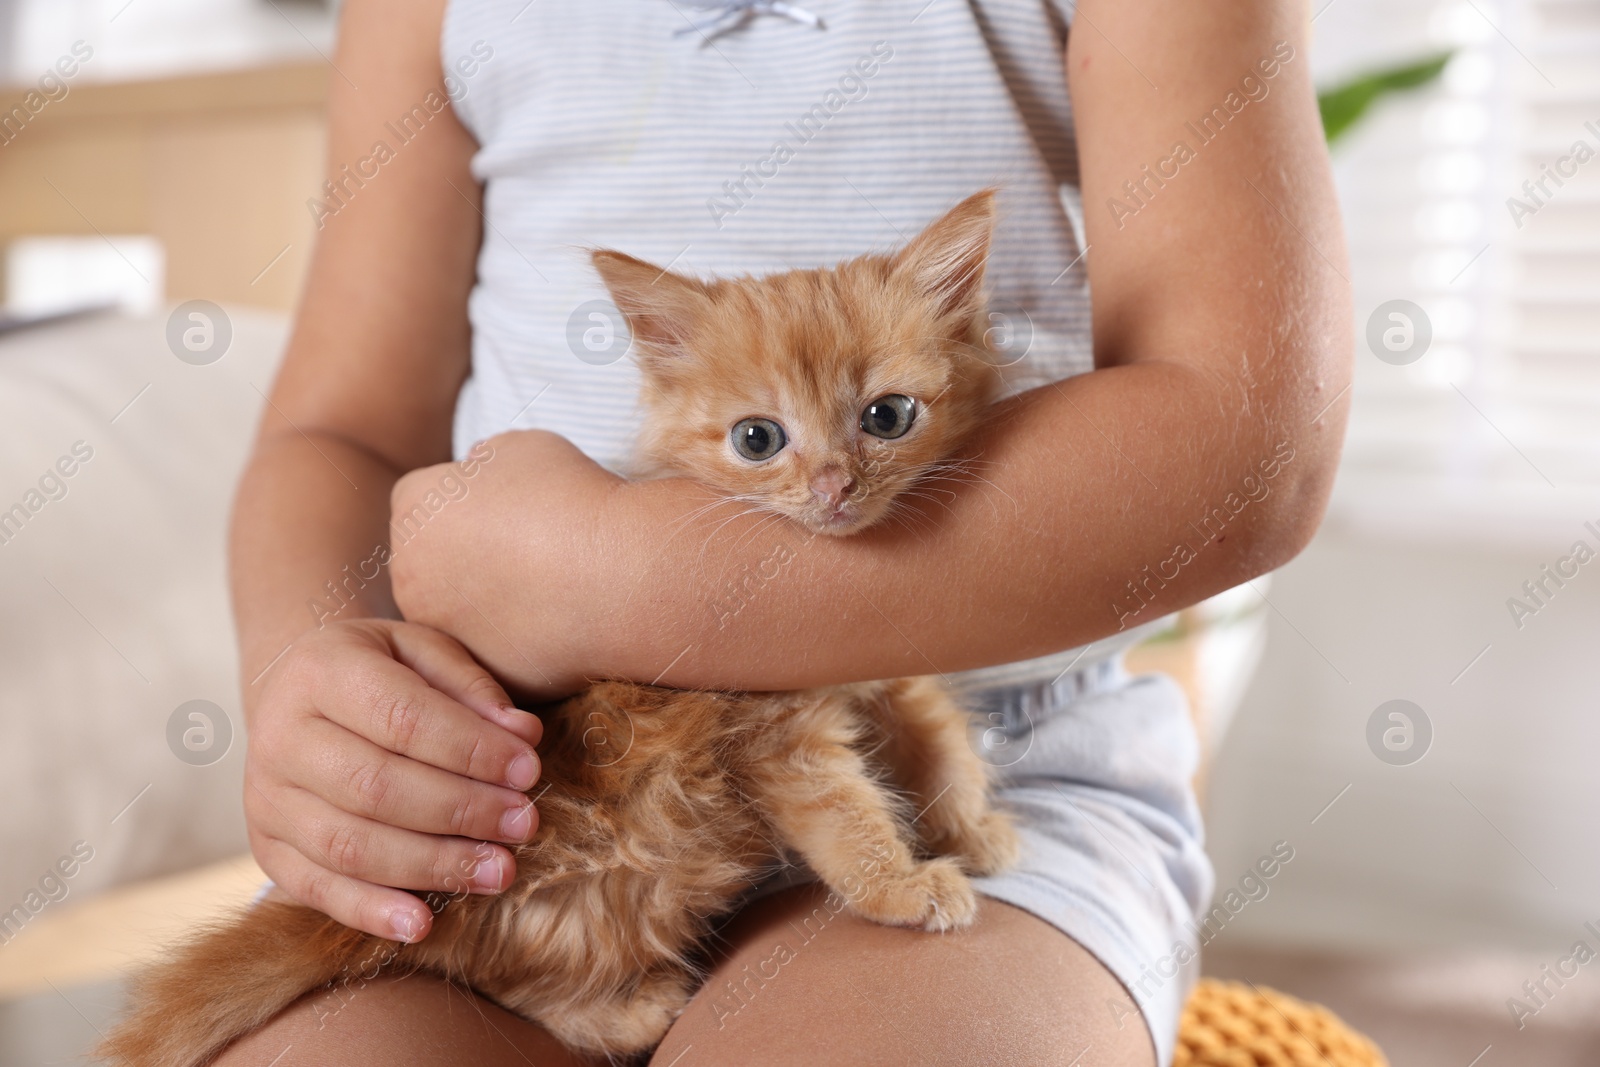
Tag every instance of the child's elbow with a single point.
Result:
(1292, 512)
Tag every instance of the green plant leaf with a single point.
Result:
(1343, 105)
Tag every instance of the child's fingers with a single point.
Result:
(391, 705)
(374, 909)
(357, 776)
(350, 862)
(443, 663)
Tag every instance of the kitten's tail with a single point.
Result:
(231, 980)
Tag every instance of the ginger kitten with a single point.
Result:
(824, 396)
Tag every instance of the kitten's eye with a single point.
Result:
(758, 439)
(889, 416)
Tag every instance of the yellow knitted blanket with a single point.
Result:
(1228, 1024)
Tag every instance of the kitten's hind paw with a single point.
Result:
(934, 895)
(625, 1024)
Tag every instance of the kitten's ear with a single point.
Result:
(661, 307)
(946, 261)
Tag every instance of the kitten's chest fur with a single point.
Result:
(665, 790)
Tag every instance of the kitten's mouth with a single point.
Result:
(843, 519)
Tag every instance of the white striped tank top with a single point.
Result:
(771, 146)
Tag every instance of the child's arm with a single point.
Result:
(378, 754)
(1223, 335)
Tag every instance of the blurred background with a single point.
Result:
(1444, 847)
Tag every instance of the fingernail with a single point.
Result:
(516, 822)
(491, 876)
(405, 925)
(523, 772)
(515, 719)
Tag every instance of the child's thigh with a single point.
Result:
(799, 985)
(421, 1021)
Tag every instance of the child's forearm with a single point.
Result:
(1103, 502)
(1106, 502)
(309, 525)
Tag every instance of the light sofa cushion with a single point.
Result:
(115, 602)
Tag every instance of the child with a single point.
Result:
(450, 301)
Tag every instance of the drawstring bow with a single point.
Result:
(725, 15)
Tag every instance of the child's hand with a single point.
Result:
(382, 754)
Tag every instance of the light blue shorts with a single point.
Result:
(1097, 769)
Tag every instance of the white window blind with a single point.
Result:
(1494, 432)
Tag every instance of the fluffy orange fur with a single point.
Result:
(660, 808)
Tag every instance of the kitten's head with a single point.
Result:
(817, 394)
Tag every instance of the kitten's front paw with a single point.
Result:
(934, 895)
(991, 846)
(987, 844)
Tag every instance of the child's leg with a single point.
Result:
(421, 1021)
(792, 991)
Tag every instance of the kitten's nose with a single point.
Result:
(831, 485)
